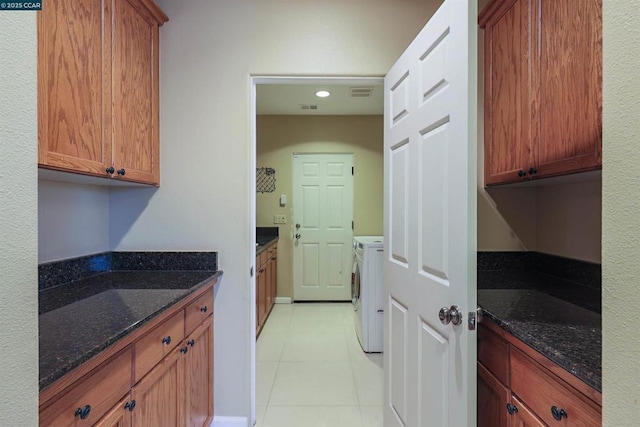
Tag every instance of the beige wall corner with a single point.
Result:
(278, 137)
(621, 213)
(18, 220)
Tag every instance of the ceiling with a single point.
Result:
(291, 99)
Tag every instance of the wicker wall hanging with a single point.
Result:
(265, 180)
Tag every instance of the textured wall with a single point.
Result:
(621, 213)
(569, 220)
(280, 136)
(18, 220)
(208, 50)
(73, 220)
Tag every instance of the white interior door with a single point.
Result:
(430, 223)
(323, 214)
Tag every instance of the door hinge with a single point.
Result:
(352, 170)
(251, 272)
(352, 226)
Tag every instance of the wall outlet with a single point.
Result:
(279, 219)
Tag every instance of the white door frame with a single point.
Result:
(253, 82)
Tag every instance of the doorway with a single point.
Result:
(312, 125)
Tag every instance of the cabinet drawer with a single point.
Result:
(541, 391)
(198, 310)
(158, 343)
(103, 388)
(493, 353)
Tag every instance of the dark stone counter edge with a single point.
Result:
(574, 369)
(262, 248)
(59, 373)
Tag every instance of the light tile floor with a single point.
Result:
(312, 372)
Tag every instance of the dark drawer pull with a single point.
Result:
(203, 309)
(83, 413)
(166, 340)
(191, 343)
(558, 413)
(184, 350)
(130, 405)
(512, 409)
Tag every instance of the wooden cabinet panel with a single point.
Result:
(160, 395)
(570, 84)
(135, 94)
(508, 93)
(524, 417)
(492, 400)
(493, 352)
(541, 392)
(158, 343)
(199, 376)
(98, 88)
(262, 295)
(119, 416)
(100, 391)
(543, 88)
(74, 67)
(197, 311)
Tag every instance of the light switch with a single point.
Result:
(279, 219)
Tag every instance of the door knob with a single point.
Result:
(298, 236)
(297, 226)
(450, 315)
(445, 316)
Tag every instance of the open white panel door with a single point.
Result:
(430, 178)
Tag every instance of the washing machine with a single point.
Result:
(367, 291)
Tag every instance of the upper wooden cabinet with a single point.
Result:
(98, 88)
(543, 88)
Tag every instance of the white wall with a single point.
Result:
(209, 49)
(73, 220)
(621, 213)
(18, 220)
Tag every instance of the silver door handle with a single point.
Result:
(450, 315)
(298, 236)
(297, 226)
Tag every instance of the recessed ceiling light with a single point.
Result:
(323, 93)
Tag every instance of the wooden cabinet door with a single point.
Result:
(135, 92)
(524, 417)
(274, 279)
(570, 84)
(119, 416)
(492, 400)
(74, 71)
(509, 110)
(262, 295)
(160, 395)
(269, 287)
(199, 375)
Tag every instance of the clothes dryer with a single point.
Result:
(367, 291)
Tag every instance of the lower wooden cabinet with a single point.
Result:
(519, 387)
(176, 390)
(159, 396)
(118, 416)
(266, 284)
(523, 416)
(199, 376)
(492, 400)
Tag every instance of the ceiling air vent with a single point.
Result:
(361, 91)
(308, 107)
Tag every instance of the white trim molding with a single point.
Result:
(283, 300)
(219, 421)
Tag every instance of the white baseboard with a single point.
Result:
(283, 300)
(219, 421)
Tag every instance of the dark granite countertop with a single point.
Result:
(79, 319)
(263, 242)
(556, 317)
